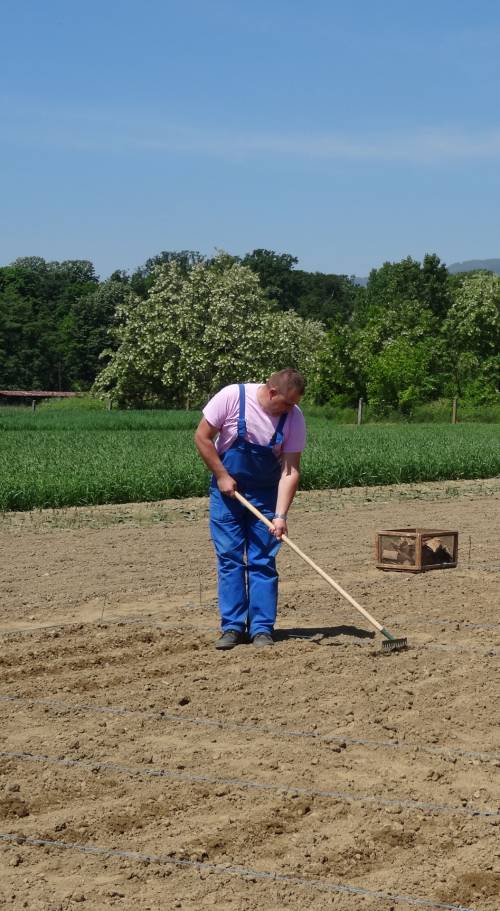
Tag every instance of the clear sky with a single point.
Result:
(345, 133)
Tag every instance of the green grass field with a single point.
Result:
(71, 457)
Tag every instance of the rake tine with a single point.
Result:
(395, 645)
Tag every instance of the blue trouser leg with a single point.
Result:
(244, 545)
(262, 548)
(228, 531)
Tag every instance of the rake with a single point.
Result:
(391, 643)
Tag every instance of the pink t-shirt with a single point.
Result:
(223, 409)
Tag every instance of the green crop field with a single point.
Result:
(71, 457)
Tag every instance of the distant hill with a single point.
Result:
(492, 265)
(468, 265)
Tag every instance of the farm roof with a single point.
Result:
(36, 394)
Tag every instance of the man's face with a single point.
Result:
(283, 402)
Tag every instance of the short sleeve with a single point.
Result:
(220, 405)
(295, 436)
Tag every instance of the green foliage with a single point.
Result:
(75, 419)
(88, 333)
(143, 278)
(275, 275)
(483, 388)
(424, 283)
(55, 458)
(313, 295)
(81, 403)
(472, 330)
(43, 322)
(333, 377)
(183, 325)
(198, 331)
(359, 456)
(439, 411)
(473, 320)
(395, 350)
(336, 412)
(401, 375)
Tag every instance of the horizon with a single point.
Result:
(296, 267)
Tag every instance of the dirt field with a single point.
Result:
(141, 769)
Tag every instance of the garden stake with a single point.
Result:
(392, 644)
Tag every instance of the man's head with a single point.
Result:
(284, 390)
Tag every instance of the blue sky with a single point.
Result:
(346, 134)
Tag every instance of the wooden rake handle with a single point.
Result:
(338, 588)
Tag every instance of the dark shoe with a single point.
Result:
(229, 639)
(261, 640)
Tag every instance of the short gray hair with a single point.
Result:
(286, 379)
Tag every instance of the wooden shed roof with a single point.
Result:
(35, 394)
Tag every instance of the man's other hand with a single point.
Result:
(226, 484)
(279, 528)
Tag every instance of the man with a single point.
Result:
(251, 437)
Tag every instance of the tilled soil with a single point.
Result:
(140, 768)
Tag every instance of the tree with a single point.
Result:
(402, 375)
(143, 278)
(199, 331)
(334, 377)
(426, 284)
(87, 330)
(275, 271)
(435, 285)
(391, 335)
(17, 341)
(472, 330)
(330, 298)
(36, 298)
(402, 316)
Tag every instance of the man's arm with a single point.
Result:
(289, 481)
(204, 440)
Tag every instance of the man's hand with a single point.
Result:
(204, 439)
(279, 528)
(226, 484)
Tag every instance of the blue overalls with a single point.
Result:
(245, 549)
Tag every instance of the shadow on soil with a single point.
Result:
(322, 632)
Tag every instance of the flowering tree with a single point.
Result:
(472, 329)
(199, 331)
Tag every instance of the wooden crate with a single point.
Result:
(416, 550)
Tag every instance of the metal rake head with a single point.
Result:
(394, 645)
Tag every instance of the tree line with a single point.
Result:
(182, 325)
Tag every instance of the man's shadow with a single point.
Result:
(323, 632)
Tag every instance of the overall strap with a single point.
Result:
(242, 424)
(277, 437)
